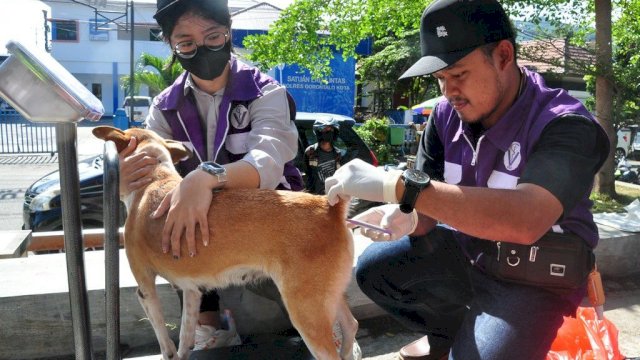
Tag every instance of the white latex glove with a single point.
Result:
(362, 180)
(387, 217)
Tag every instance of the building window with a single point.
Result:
(64, 30)
(96, 89)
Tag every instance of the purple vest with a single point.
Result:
(244, 85)
(502, 153)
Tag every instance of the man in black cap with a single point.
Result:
(503, 176)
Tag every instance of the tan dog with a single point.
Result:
(295, 238)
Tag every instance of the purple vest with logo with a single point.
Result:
(502, 152)
(244, 85)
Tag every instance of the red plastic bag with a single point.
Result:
(585, 337)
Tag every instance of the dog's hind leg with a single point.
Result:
(348, 326)
(313, 316)
(190, 306)
(150, 302)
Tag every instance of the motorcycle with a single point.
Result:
(625, 173)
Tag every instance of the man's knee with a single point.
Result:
(369, 277)
(363, 278)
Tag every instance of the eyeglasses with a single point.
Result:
(214, 42)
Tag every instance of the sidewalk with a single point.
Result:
(380, 338)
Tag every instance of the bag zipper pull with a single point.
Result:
(498, 245)
(532, 253)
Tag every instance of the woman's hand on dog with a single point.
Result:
(134, 169)
(186, 206)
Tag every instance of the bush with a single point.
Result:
(374, 133)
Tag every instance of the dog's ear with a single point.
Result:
(114, 134)
(177, 150)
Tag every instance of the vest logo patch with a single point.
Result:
(441, 31)
(512, 156)
(240, 117)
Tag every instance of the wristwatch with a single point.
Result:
(216, 170)
(414, 182)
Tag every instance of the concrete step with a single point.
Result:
(34, 306)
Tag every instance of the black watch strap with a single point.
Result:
(414, 182)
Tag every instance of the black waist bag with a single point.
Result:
(557, 262)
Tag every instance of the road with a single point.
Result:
(380, 339)
(18, 172)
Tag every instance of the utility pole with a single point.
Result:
(131, 58)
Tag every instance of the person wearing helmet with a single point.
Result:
(322, 159)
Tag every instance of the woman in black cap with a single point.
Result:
(237, 121)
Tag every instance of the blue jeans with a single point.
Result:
(429, 286)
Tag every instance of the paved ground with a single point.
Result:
(379, 338)
(18, 172)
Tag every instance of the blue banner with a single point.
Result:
(96, 30)
(336, 94)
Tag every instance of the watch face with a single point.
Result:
(213, 167)
(417, 176)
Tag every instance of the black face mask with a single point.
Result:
(207, 64)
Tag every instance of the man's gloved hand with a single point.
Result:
(388, 217)
(362, 180)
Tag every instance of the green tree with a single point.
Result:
(308, 31)
(374, 133)
(154, 72)
(391, 56)
(625, 67)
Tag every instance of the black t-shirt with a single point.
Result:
(320, 165)
(564, 161)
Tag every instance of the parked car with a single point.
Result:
(626, 138)
(141, 106)
(41, 208)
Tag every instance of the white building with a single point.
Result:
(91, 39)
(25, 21)
(98, 56)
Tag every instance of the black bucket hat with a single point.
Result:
(451, 29)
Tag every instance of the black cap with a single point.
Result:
(451, 29)
(163, 6)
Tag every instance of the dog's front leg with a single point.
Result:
(150, 302)
(190, 307)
